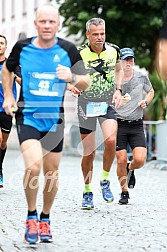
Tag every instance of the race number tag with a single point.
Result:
(96, 109)
(45, 84)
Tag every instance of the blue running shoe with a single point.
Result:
(87, 202)
(106, 192)
(45, 231)
(1, 181)
(31, 234)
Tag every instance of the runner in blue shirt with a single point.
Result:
(47, 64)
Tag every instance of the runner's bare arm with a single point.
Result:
(82, 82)
(7, 83)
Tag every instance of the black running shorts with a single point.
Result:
(132, 133)
(51, 141)
(5, 122)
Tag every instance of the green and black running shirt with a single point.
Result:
(101, 69)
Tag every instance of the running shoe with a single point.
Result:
(31, 234)
(87, 202)
(1, 181)
(106, 192)
(131, 180)
(45, 233)
(124, 198)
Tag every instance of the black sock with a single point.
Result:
(44, 216)
(2, 155)
(31, 213)
(125, 192)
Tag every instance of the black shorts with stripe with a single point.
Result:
(5, 122)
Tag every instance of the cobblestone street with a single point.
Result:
(139, 226)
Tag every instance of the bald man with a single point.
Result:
(47, 63)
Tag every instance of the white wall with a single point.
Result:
(11, 27)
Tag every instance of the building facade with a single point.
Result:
(17, 17)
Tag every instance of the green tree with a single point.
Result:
(158, 106)
(129, 23)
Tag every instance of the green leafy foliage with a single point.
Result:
(158, 106)
(129, 23)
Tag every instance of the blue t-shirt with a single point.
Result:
(42, 93)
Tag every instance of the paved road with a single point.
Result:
(140, 226)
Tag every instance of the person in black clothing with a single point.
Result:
(5, 120)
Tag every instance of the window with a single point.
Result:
(12, 9)
(35, 5)
(3, 11)
(24, 8)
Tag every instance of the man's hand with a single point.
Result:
(117, 99)
(64, 73)
(124, 99)
(143, 104)
(10, 105)
(74, 90)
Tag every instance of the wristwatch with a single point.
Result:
(73, 80)
(146, 102)
(120, 89)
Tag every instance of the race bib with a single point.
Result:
(96, 109)
(45, 84)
